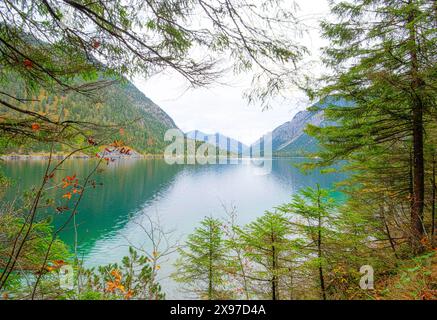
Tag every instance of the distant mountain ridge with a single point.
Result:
(290, 139)
(219, 140)
(284, 135)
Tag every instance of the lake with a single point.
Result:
(110, 216)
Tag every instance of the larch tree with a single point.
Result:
(267, 247)
(202, 260)
(312, 217)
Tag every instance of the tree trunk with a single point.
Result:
(291, 296)
(418, 181)
(410, 178)
(417, 231)
(319, 247)
(210, 288)
(387, 230)
(434, 187)
(275, 295)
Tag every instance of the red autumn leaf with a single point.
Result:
(71, 178)
(59, 262)
(35, 126)
(27, 63)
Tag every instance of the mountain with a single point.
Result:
(291, 140)
(286, 134)
(220, 141)
(142, 123)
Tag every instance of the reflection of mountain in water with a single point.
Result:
(287, 172)
(127, 186)
(181, 194)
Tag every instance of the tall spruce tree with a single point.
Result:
(330, 242)
(382, 56)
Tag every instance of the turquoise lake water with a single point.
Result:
(109, 216)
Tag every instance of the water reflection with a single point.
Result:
(180, 194)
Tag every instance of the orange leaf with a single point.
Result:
(115, 273)
(117, 144)
(110, 286)
(67, 195)
(129, 294)
(35, 127)
(71, 178)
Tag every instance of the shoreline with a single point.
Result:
(44, 156)
(21, 157)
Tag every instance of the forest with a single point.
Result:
(65, 68)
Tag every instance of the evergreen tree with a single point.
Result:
(383, 58)
(202, 260)
(330, 242)
(267, 246)
(311, 212)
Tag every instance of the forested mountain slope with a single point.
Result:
(141, 123)
(290, 139)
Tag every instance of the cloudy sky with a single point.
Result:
(222, 108)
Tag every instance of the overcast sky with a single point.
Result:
(222, 108)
